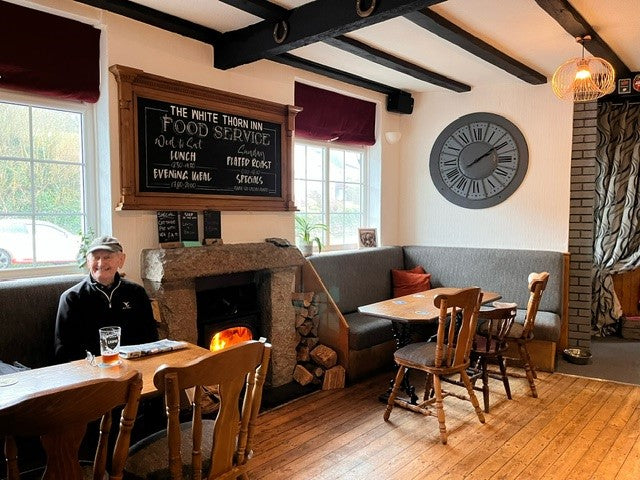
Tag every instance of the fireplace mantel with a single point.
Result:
(170, 276)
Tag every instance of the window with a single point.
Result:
(44, 183)
(330, 188)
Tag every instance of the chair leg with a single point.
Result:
(472, 396)
(485, 384)
(437, 386)
(524, 354)
(394, 392)
(505, 379)
(428, 387)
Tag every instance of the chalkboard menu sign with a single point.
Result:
(189, 226)
(168, 227)
(212, 224)
(184, 149)
(188, 147)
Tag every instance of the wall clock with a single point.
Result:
(479, 160)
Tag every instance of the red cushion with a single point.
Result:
(406, 282)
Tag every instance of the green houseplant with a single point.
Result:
(305, 232)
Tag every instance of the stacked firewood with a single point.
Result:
(317, 363)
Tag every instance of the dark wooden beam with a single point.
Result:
(575, 24)
(382, 58)
(259, 8)
(442, 27)
(308, 23)
(310, 66)
(156, 18)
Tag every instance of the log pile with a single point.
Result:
(316, 363)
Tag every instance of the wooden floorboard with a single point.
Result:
(578, 428)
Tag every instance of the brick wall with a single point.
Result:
(583, 171)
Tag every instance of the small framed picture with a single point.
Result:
(367, 237)
(624, 85)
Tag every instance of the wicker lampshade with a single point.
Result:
(583, 79)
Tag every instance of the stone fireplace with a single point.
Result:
(173, 277)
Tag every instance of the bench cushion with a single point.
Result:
(365, 331)
(547, 325)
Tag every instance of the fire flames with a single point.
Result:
(229, 337)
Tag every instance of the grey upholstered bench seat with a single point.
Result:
(366, 331)
(547, 327)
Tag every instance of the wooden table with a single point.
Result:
(28, 382)
(416, 308)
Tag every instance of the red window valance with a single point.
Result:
(331, 116)
(48, 55)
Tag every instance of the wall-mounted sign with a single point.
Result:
(636, 83)
(168, 227)
(624, 85)
(184, 146)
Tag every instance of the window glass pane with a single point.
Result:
(336, 165)
(299, 162)
(15, 186)
(351, 225)
(336, 234)
(300, 196)
(353, 166)
(352, 198)
(57, 238)
(336, 200)
(315, 197)
(58, 188)
(314, 163)
(14, 130)
(16, 242)
(57, 135)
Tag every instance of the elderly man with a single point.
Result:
(102, 299)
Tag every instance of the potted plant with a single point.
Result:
(305, 232)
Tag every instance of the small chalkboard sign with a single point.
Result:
(189, 226)
(212, 225)
(168, 227)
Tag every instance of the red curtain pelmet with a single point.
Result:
(331, 116)
(48, 55)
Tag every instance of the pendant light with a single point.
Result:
(583, 79)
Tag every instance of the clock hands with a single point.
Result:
(482, 156)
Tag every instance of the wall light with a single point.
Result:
(393, 137)
(583, 79)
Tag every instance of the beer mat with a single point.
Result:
(144, 349)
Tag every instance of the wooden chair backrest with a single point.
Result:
(236, 369)
(537, 284)
(496, 326)
(60, 417)
(454, 338)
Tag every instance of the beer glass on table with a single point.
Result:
(110, 346)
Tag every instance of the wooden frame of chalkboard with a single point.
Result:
(188, 147)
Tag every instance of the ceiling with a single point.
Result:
(486, 42)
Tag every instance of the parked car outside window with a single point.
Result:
(53, 244)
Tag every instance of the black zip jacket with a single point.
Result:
(87, 306)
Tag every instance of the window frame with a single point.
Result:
(326, 181)
(90, 168)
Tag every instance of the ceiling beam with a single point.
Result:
(310, 66)
(260, 8)
(575, 24)
(382, 58)
(306, 24)
(156, 18)
(442, 27)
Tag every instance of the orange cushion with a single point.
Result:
(406, 282)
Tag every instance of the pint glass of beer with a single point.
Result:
(110, 345)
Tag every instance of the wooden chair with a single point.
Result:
(488, 345)
(522, 333)
(239, 372)
(60, 418)
(447, 356)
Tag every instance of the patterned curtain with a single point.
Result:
(616, 233)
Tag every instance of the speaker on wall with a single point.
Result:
(400, 102)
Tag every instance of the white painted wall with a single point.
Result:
(411, 209)
(536, 216)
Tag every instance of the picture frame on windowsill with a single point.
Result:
(367, 238)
